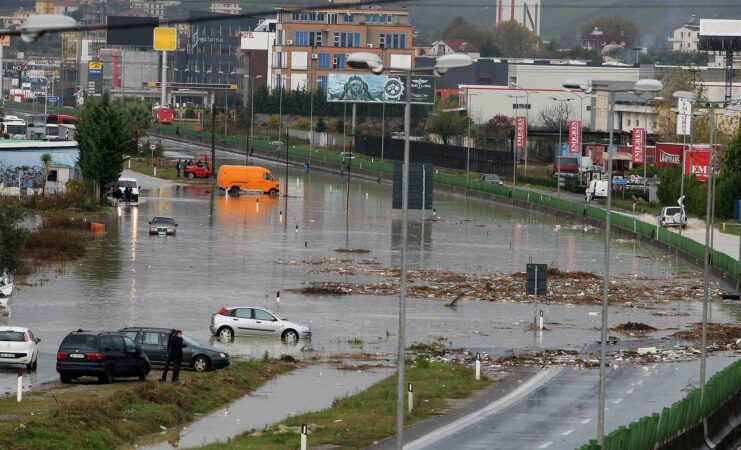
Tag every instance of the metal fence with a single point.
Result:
(448, 156)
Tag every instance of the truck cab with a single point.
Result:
(198, 167)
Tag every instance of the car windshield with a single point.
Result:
(672, 211)
(125, 183)
(11, 336)
(163, 220)
(81, 342)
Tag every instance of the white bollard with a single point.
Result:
(478, 367)
(304, 433)
(129, 163)
(410, 398)
(155, 171)
(20, 385)
(277, 297)
(296, 228)
(297, 182)
(280, 216)
(540, 320)
(257, 205)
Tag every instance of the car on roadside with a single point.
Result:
(123, 183)
(101, 354)
(672, 216)
(491, 178)
(153, 342)
(347, 155)
(231, 321)
(18, 346)
(276, 143)
(162, 225)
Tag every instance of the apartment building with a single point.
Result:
(226, 7)
(309, 45)
(154, 8)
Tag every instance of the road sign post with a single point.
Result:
(165, 39)
(536, 283)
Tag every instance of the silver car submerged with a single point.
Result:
(232, 321)
(162, 225)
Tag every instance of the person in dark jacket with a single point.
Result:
(178, 166)
(176, 354)
(168, 360)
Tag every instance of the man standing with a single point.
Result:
(168, 359)
(178, 166)
(177, 354)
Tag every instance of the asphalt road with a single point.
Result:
(559, 410)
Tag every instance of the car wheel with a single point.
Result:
(290, 336)
(273, 192)
(35, 363)
(226, 334)
(65, 378)
(201, 364)
(143, 372)
(234, 191)
(107, 377)
(191, 175)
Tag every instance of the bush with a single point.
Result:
(303, 124)
(272, 122)
(321, 125)
(190, 113)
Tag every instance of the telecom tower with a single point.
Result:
(525, 12)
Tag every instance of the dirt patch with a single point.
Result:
(634, 328)
(718, 334)
(321, 290)
(352, 250)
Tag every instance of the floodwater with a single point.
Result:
(227, 252)
(271, 403)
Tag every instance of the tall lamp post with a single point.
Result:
(561, 102)
(311, 117)
(468, 146)
(514, 149)
(688, 98)
(252, 114)
(645, 85)
(373, 62)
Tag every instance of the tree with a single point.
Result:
(321, 126)
(612, 27)
(103, 136)
(446, 120)
(138, 117)
(12, 237)
(554, 117)
(458, 28)
(515, 40)
(46, 161)
(499, 125)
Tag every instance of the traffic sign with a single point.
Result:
(165, 38)
(153, 147)
(536, 275)
(633, 178)
(53, 99)
(619, 181)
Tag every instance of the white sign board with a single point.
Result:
(684, 117)
(255, 40)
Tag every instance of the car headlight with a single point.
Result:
(223, 355)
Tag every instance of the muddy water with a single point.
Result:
(226, 253)
(272, 403)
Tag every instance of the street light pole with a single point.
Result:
(560, 101)
(252, 114)
(383, 126)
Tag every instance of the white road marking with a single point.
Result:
(586, 421)
(547, 444)
(629, 391)
(616, 401)
(567, 432)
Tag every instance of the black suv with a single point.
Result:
(153, 341)
(100, 354)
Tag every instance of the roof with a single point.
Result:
(9, 328)
(136, 12)
(461, 45)
(16, 153)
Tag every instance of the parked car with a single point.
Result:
(491, 178)
(133, 184)
(232, 321)
(162, 225)
(100, 354)
(596, 189)
(672, 216)
(276, 143)
(18, 346)
(347, 155)
(153, 342)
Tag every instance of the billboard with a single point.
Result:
(684, 117)
(95, 68)
(639, 145)
(574, 136)
(362, 88)
(521, 132)
(255, 40)
(131, 31)
(165, 39)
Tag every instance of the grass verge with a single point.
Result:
(165, 171)
(105, 417)
(359, 420)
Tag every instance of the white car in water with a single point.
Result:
(18, 346)
(232, 321)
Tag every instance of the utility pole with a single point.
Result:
(213, 136)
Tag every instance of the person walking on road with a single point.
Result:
(178, 166)
(168, 358)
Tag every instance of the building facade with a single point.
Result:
(154, 8)
(448, 46)
(686, 37)
(45, 6)
(309, 45)
(226, 7)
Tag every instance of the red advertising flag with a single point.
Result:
(639, 145)
(521, 132)
(574, 136)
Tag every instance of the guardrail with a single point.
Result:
(659, 428)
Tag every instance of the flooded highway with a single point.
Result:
(232, 251)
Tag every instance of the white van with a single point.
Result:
(596, 189)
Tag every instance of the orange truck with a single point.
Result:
(246, 178)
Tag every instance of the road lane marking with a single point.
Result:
(522, 391)
(586, 421)
(629, 391)
(567, 432)
(616, 401)
(547, 444)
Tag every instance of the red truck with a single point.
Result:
(162, 114)
(198, 167)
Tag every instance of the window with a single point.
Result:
(348, 18)
(323, 82)
(244, 313)
(332, 18)
(130, 346)
(638, 122)
(80, 342)
(343, 40)
(302, 38)
(151, 338)
(403, 40)
(263, 315)
(340, 61)
(324, 60)
(105, 343)
(395, 41)
(382, 41)
(118, 343)
(315, 38)
(337, 39)
(357, 40)
(628, 122)
(52, 176)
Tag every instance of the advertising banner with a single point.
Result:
(684, 117)
(361, 88)
(521, 132)
(639, 145)
(165, 39)
(95, 68)
(574, 136)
